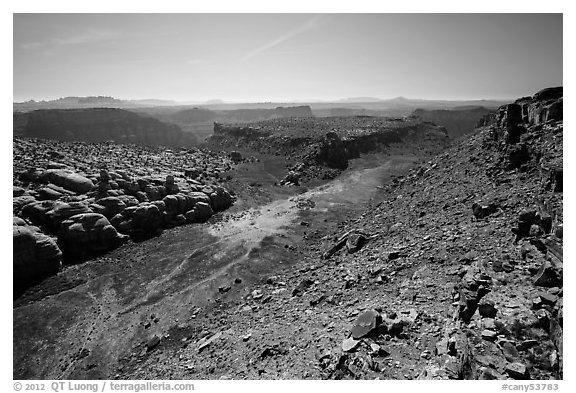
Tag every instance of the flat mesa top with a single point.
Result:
(311, 127)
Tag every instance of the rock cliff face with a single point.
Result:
(544, 106)
(259, 114)
(458, 121)
(100, 125)
(328, 143)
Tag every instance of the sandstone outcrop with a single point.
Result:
(35, 256)
(88, 233)
(67, 179)
(90, 196)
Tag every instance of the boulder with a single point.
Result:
(302, 287)
(141, 196)
(69, 180)
(489, 335)
(142, 183)
(111, 205)
(293, 177)
(47, 193)
(87, 233)
(104, 175)
(548, 276)
(192, 172)
(366, 323)
(17, 221)
(171, 186)
(19, 202)
(128, 200)
(350, 344)
(220, 199)
(17, 191)
(152, 192)
(35, 256)
(36, 211)
(236, 156)
(525, 221)
(129, 186)
(63, 211)
(31, 175)
(171, 202)
(482, 211)
(486, 308)
(181, 203)
(200, 213)
(355, 242)
(517, 371)
(144, 218)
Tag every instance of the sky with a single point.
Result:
(285, 57)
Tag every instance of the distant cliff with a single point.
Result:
(458, 121)
(294, 111)
(86, 102)
(317, 144)
(203, 115)
(99, 125)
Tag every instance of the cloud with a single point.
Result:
(309, 25)
(87, 37)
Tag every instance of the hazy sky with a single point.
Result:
(282, 57)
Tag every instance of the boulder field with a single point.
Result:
(75, 200)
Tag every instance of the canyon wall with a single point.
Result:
(458, 121)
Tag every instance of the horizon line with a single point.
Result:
(264, 101)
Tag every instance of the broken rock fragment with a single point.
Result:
(349, 344)
(366, 323)
(355, 242)
(517, 371)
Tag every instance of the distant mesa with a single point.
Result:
(199, 115)
(214, 102)
(360, 99)
(98, 125)
(87, 102)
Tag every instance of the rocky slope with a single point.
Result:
(322, 147)
(75, 200)
(458, 121)
(453, 272)
(99, 125)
